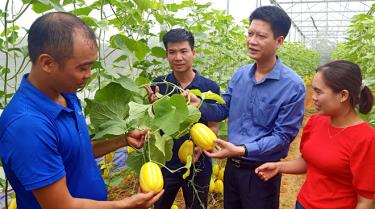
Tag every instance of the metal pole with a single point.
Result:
(228, 6)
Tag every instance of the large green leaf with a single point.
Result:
(115, 97)
(112, 129)
(160, 148)
(193, 117)
(139, 48)
(90, 21)
(100, 113)
(158, 52)
(118, 41)
(147, 4)
(128, 84)
(141, 115)
(54, 3)
(82, 11)
(161, 143)
(170, 112)
(137, 110)
(40, 8)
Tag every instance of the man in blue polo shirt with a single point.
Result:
(179, 44)
(265, 107)
(44, 141)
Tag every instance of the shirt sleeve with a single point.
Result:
(33, 154)
(306, 132)
(286, 126)
(362, 165)
(218, 112)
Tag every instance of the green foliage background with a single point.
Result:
(129, 38)
(359, 48)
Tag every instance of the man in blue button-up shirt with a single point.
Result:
(265, 107)
(45, 146)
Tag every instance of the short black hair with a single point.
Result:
(53, 34)
(178, 35)
(277, 17)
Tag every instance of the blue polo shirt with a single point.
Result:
(266, 115)
(203, 84)
(42, 141)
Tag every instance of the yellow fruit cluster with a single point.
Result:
(217, 180)
(151, 178)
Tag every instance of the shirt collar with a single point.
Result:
(40, 99)
(194, 83)
(275, 73)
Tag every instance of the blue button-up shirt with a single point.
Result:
(263, 115)
(42, 141)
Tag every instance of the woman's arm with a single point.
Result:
(269, 170)
(364, 203)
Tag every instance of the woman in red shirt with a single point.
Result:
(337, 146)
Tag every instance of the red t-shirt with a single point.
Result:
(340, 164)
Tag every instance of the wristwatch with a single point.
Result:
(242, 145)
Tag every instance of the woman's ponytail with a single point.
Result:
(366, 100)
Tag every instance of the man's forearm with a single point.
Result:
(101, 148)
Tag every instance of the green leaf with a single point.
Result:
(105, 107)
(168, 150)
(128, 84)
(193, 117)
(223, 129)
(90, 21)
(54, 4)
(196, 92)
(138, 47)
(13, 37)
(136, 111)
(40, 8)
(159, 18)
(158, 52)
(160, 148)
(208, 95)
(115, 129)
(159, 143)
(100, 113)
(140, 81)
(135, 161)
(114, 103)
(10, 30)
(169, 113)
(118, 41)
(147, 4)
(212, 96)
(121, 58)
(83, 11)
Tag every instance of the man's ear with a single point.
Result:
(280, 41)
(47, 63)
